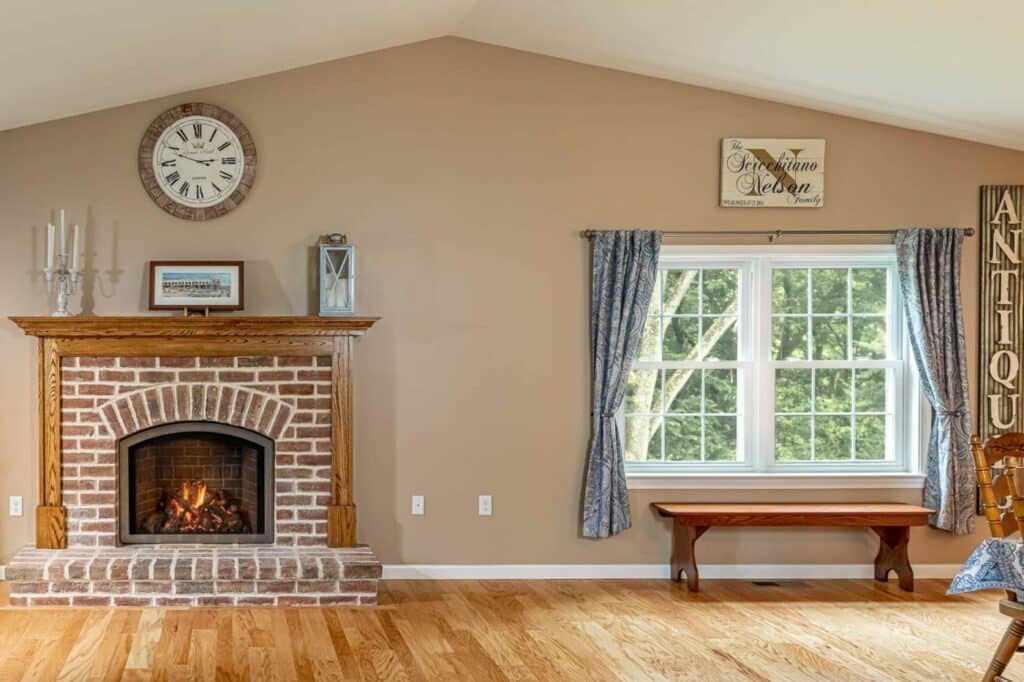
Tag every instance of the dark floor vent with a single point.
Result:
(778, 583)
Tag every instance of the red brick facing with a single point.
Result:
(109, 398)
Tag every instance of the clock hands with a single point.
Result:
(205, 162)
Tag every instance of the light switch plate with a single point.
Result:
(16, 507)
(417, 505)
(485, 505)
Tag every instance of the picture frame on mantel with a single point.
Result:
(189, 285)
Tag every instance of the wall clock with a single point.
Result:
(197, 161)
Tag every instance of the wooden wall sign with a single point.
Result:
(764, 173)
(1001, 316)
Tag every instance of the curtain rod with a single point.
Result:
(774, 235)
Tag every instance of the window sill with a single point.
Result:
(751, 481)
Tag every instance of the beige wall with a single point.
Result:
(464, 173)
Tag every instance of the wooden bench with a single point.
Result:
(891, 522)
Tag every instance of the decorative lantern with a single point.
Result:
(337, 276)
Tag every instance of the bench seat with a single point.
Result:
(891, 522)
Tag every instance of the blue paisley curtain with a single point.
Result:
(929, 273)
(625, 264)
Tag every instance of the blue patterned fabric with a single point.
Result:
(929, 274)
(997, 564)
(625, 264)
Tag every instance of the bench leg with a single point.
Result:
(684, 537)
(892, 555)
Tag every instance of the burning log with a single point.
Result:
(197, 509)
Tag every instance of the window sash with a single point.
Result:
(755, 368)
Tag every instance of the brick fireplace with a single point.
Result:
(195, 462)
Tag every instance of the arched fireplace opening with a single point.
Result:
(196, 482)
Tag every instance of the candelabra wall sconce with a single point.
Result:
(63, 267)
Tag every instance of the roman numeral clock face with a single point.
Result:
(197, 161)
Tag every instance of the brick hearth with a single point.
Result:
(194, 575)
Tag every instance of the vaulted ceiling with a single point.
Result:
(943, 66)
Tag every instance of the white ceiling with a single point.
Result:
(65, 57)
(943, 66)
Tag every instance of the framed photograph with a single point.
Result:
(196, 285)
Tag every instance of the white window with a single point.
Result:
(772, 361)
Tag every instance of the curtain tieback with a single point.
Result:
(607, 415)
(952, 413)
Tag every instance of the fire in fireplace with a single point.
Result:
(196, 482)
(198, 509)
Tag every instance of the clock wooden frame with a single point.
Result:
(168, 118)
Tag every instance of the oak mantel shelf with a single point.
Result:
(166, 326)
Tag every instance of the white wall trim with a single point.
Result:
(648, 571)
(3, 572)
(816, 481)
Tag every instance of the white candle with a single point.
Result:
(49, 246)
(76, 250)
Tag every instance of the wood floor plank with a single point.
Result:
(202, 653)
(147, 636)
(50, 658)
(261, 665)
(283, 656)
(80, 659)
(847, 630)
(342, 651)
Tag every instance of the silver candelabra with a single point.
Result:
(64, 281)
(62, 269)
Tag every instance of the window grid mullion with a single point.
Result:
(700, 314)
(810, 321)
(703, 419)
(849, 356)
(664, 422)
(853, 411)
(814, 408)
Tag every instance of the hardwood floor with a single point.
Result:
(482, 630)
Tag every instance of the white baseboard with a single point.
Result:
(648, 571)
(641, 571)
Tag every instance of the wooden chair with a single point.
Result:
(1000, 469)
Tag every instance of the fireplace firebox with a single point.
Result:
(196, 482)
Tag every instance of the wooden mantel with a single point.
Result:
(143, 336)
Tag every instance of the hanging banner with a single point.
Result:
(1001, 316)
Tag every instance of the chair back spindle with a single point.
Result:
(998, 465)
(1000, 473)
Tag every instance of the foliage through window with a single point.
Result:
(774, 361)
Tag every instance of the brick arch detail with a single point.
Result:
(245, 408)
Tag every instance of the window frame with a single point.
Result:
(755, 378)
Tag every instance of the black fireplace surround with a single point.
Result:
(195, 482)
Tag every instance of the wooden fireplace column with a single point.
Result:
(193, 337)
